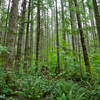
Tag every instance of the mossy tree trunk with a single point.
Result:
(11, 35)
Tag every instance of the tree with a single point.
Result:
(86, 24)
(57, 42)
(73, 25)
(20, 35)
(2, 6)
(38, 32)
(63, 19)
(26, 53)
(11, 36)
(31, 35)
(6, 25)
(97, 18)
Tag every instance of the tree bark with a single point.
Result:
(20, 35)
(38, 33)
(11, 36)
(26, 53)
(57, 41)
(31, 37)
(97, 18)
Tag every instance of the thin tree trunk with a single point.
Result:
(6, 25)
(47, 35)
(57, 41)
(52, 24)
(63, 30)
(63, 23)
(73, 26)
(31, 38)
(26, 53)
(42, 38)
(79, 54)
(38, 33)
(87, 33)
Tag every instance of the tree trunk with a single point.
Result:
(26, 53)
(20, 35)
(63, 19)
(86, 58)
(47, 35)
(79, 54)
(57, 42)
(97, 18)
(5, 35)
(52, 27)
(31, 37)
(73, 26)
(11, 36)
(86, 25)
(1, 21)
(38, 33)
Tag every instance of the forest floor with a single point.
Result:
(46, 86)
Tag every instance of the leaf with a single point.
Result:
(71, 91)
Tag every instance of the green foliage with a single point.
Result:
(3, 49)
(3, 54)
(37, 87)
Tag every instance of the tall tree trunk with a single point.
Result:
(86, 58)
(6, 25)
(63, 19)
(5, 35)
(86, 25)
(38, 33)
(79, 54)
(73, 25)
(41, 47)
(52, 27)
(97, 18)
(20, 35)
(57, 41)
(1, 21)
(11, 36)
(63, 30)
(47, 35)
(31, 37)
(26, 53)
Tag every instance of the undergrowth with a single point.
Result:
(36, 86)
